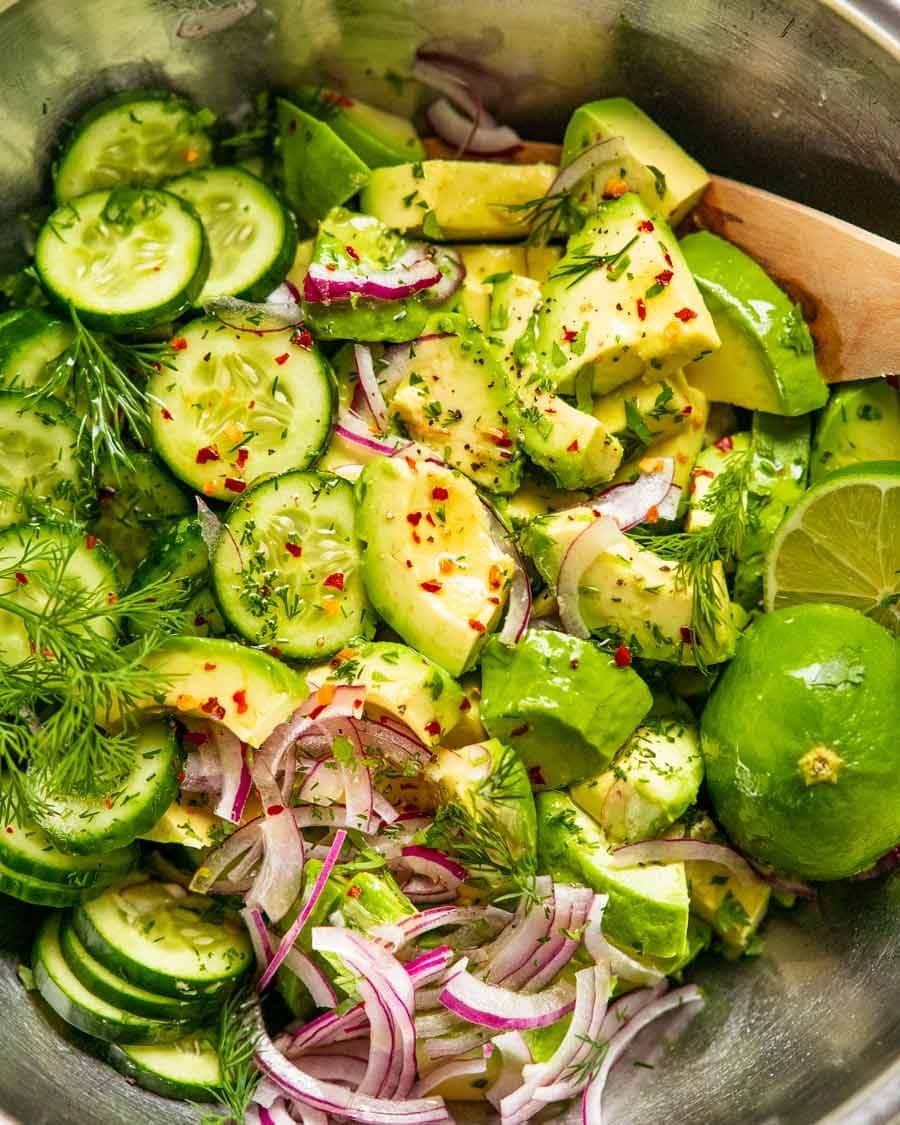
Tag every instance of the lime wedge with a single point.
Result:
(841, 544)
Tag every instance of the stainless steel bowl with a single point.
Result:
(797, 96)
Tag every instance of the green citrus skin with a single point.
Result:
(800, 742)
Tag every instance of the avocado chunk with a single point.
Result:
(486, 262)
(485, 794)
(538, 496)
(464, 200)
(622, 301)
(632, 596)
(470, 728)
(561, 702)
(377, 137)
(320, 171)
(189, 821)
(642, 412)
(860, 423)
(430, 564)
(766, 361)
(648, 907)
(360, 244)
(648, 785)
(456, 398)
(399, 683)
(677, 180)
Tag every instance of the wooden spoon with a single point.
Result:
(846, 280)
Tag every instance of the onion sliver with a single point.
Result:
(468, 134)
(629, 504)
(581, 554)
(676, 851)
(408, 275)
(365, 369)
(491, 1006)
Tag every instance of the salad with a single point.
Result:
(441, 599)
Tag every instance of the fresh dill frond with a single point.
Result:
(581, 1073)
(106, 378)
(236, 1041)
(583, 264)
(548, 217)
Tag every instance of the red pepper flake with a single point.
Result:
(409, 564)
(431, 586)
(335, 581)
(335, 98)
(352, 252)
(111, 598)
(429, 518)
(517, 732)
(302, 338)
(500, 438)
(207, 453)
(687, 635)
(167, 415)
(622, 656)
(668, 258)
(282, 359)
(572, 447)
(466, 704)
(294, 549)
(180, 776)
(652, 514)
(664, 277)
(646, 225)
(10, 829)
(235, 485)
(414, 518)
(208, 667)
(569, 335)
(702, 473)
(179, 344)
(495, 576)
(241, 459)
(411, 464)
(641, 309)
(684, 315)
(90, 542)
(433, 728)
(275, 650)
(687, 410)
(274, 810)
(725, 444)
(240, 701)
(535, 776)
(213, 707)
(107, 802)
(354, 891)
(194, 737)
(251, 404)
(439, 493)
(475, 624)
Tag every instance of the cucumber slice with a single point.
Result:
(204, 618)
(252, 238)
(101, 982)
(177, 551)
(35, 552)
(39, 892)
(160, 937)
(136, 137)
(77, 1005)
(236, 405)
(125, 260)
(39, 461)
(288, 574)
(29, 340)
(187, 1069)
(98, 824)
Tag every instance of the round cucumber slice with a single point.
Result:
(124, 260)
(29, 340)
(77, 1005)
(187, 1069)
(252, 238)
(38, 553)
(236, 405)
(178, 551)
(160, 937)
(136, 137)
(288, 574)
(94, 824)
(38, 456)
(38, 892)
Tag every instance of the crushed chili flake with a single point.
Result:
(351, 252)
(337, 99)
(725, 444)
(439, 493)
(535, 776)
(325, 694)
(194, 737)
(179, 344)
(646, 225)
(516, 732)
(572, 447)
(199, 621)
(641, 308)
(431, 587)
(207, 667)
(475, 624)
(500, 438)
(240, 701)
(274, 810)
(283, 358)
(622, 656)
(302, 338)
(652, 514)
(90, 542)
(107, 802)
(429, 518)
(433, 728)
(111, 598)
(294, 549)
(663, 277)
(702, 473)
(209, 488)
(414, 518)
(235, 485)
(685, 314)
(688, 410)
(354, 891)
(166, 414)
(207, 453)
(446, 566)
(241, 459)
(687, 635)
(213, 707)
(335, 581)
(466, 704)
(495, 576)
(411, 464)
(569, 335)
(409, 564)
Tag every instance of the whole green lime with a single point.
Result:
(801, 739)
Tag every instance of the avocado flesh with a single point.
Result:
(680, 182)
(648, 907)
(456, 200)
(860, 423)
(766, 361)
(377, 137)
(641, 412)
(622, 301)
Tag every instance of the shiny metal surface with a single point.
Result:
(797, 96)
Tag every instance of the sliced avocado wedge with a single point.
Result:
(430, 564)
(648, 907)
(562, 703)
(642, 412)
(766, 361)
(860, 423)
(377, 137)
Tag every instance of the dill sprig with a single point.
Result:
(236, 1042)
(106, 378)
(696, 553)
(581, 1073)
(548, 217)
(583, 263)
(75, 673)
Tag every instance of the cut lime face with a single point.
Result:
(841, 545)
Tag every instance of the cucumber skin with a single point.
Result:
(157, 1083)
(20, 866)
(27, 888)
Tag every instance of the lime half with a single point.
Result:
(841, 544)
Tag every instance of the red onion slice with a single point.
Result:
(620, 964)
(306, 970)
(280, 312)
(515, 1057)
(453, 274)
(210, 526)
(668, 509)
(352, 428)
(629, 504)
(491, 1006)
(680, 850)
(365, 369)
(470, 134)
(581, 554)
(260, 938)
(518, 610)
(410, 274)
(453, 85)
(280, 876)
(236, 781)
(435, 865)
(592, 1102)
(604, 152)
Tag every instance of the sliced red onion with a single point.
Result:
(348, 700)
(435, 865)
(522, 937)
(358, 797)
(453, 273)
(470, 134)
(491, 1006)
(323, 785)
(382, 808)
(308, 972)
(210, 526)
(354, 430)
(628, 504)
(259, 936)
(518, 611)
(236, 781)
(620, 964)
(453, 85)
(684, 850)
(410, 274)
(399, 934)
(604, 152)
(592, 1102)
(202, 771)
(570, 915)
(280, 876)
(515, 1056)
(422, 889)
(456, 1068)
(668, 509)
(581, 554)
(365, 369)
(290, 938)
